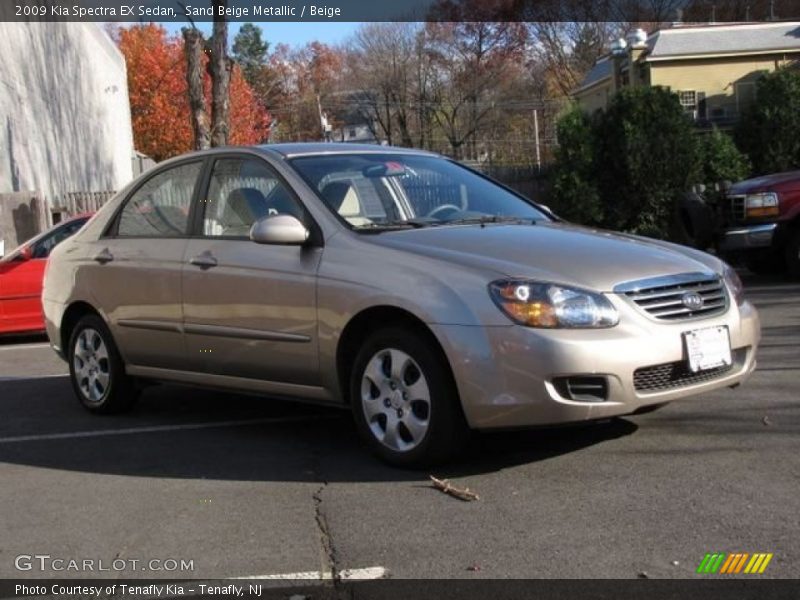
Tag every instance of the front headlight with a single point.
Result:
(734, 283)
(761, 205)
(547, 305)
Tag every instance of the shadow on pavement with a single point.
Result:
(305, 443)
(7, 339)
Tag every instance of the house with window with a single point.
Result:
(712, 67)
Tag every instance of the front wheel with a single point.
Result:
(404, 400)
(96, 369)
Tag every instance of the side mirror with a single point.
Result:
(284, 230)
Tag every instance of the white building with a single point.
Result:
(65, 123)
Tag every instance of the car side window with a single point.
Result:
(241, 192)
(44, 246)
(160, 208)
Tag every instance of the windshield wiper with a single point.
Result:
(390, 226)
(484, 219)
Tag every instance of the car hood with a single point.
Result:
(787, 180)
(555, 252)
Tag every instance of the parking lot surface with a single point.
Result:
(244, 486)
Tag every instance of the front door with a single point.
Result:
(249, 309)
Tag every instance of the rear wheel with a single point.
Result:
(96, 369)
(404, 400)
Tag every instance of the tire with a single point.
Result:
(404, 400)
(766, 264)
(96, 369)
(792, 254)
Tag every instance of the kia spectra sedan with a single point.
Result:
(426, 298)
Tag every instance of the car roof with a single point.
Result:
(291, 150)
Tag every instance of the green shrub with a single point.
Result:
(720, 159)
(646, 159)
(769, 131)
(574, 194)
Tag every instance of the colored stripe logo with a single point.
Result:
(735, 563)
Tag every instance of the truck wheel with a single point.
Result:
(793, 254)
(766, 264)
(404, 400)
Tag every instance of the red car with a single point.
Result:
(21, 275)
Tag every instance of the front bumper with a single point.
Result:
(505, 374)
(748, 237)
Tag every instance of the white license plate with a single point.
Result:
(708, 348)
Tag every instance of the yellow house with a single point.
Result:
(713, 68)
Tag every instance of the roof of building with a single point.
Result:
(735, 38)
(599, 72)
(684, 41)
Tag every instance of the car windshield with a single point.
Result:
(374, 192)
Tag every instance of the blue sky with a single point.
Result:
(293, 33)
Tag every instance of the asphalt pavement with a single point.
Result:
(240, 486)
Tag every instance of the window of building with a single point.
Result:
(745, 95)
(688, 99)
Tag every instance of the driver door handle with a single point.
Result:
(204, 260)
(104, 256)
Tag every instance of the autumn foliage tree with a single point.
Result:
(159, 99)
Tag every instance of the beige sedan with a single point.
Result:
(428, 299)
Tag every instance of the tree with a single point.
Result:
(221, 67)
(769, 131)
(381, 61)
(159, 98)
(156, 89)
(250, 51)
(575, 195)
(304, 84)
(720, 159)
(646, 159)
(193, 51)
(472, 62)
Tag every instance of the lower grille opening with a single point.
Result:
(582, 389)
(674, 375)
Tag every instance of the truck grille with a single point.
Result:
(664, 298)
(737, 209)
(674, 375)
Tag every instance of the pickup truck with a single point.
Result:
(761, 223)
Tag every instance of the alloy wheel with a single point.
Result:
(396, 399)
(91, 365)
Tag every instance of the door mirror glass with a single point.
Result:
(285, 230)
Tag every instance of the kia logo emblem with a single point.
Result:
(692, 300)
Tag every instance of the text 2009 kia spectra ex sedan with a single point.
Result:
(426, 297)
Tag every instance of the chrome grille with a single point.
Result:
(663, 298)
(737, 208)
(677, 374)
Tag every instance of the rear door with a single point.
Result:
(249, 309)
(135, 270)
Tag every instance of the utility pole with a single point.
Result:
(536, 134)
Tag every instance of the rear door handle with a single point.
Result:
(204, 260)
(104, 256)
